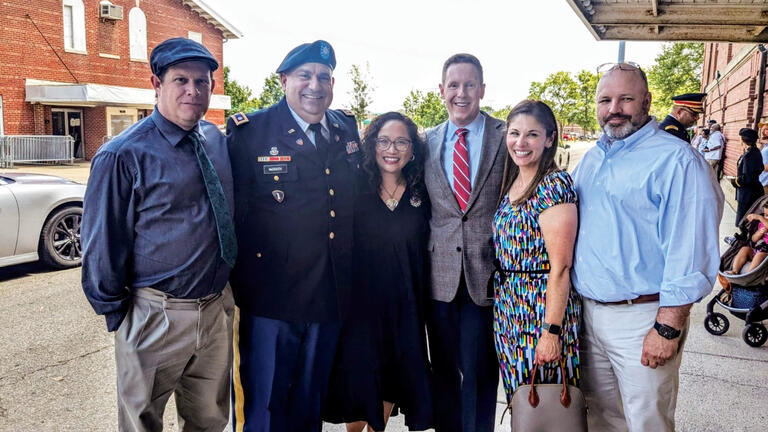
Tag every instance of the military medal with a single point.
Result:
(273, 151)
(352, 147)
(300, 142)
(278, 195)
(415, 201)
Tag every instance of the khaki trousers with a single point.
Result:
(621, 393)
(182, 346)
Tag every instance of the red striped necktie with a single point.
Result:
(461, 184)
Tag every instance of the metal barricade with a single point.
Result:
(36, 149)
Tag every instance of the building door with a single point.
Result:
(69, 122)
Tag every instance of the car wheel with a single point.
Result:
(59, 244)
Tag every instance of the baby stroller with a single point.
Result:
(744, 295)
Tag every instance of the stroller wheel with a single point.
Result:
(716, 323)
(755, 334)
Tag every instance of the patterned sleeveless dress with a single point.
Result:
(519, 299)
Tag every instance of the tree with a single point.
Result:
(272, 91)
(361, 96)
(426, 110)
(502, 113)
(560, 92)
(584, 114)
(238, 94)
(677, 70)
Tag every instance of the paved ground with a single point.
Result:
(57, 360)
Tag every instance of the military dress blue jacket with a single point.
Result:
(293, 214)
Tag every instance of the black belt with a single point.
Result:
(504, 273)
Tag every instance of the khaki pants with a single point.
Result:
(166, 345)
(622, 394)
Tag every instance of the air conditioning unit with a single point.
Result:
(111, 12)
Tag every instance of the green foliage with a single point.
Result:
(426, 110)
(561, 93)
(502, 113)
(240, 95)
(677, 70)
(361, 96)
(272, 91)
(584, 114)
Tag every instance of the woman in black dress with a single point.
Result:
(382, 360)
(749, 166)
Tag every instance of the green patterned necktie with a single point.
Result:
(224, 225)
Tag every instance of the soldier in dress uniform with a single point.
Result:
(686, 109)
(295, 167)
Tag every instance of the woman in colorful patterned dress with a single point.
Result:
(536, 313)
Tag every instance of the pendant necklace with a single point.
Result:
(391, 202)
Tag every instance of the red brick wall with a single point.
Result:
(25, 54)
(732, 101)
(94, 129)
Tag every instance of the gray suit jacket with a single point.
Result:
(464, 240)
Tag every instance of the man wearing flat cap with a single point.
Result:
(686, 109)
(294, 166)
(159, 244)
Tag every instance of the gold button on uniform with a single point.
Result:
(333, 213)
(277, 178)
(330, 191)
(327, 171)
(331, 236)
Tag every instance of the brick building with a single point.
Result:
(80, 67)
(731, 76)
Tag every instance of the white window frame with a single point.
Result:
(77, 25)
(110, 111)
(137, 22)
(195, 36)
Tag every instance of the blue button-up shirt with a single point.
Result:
(147, 218)
(649, 213)
(474, 140)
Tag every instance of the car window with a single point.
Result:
(5, 181)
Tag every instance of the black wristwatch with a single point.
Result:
(666, 331)
(552, 328)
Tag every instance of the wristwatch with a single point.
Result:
(666, 331)
(552, 328)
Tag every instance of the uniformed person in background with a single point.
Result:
(294, 167)
(686, 109)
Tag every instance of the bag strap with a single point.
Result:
(565, 396)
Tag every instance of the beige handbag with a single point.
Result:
(548, 407)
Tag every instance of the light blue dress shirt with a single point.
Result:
(764, 175)
(649, 213)
(474, 140)
(305, 127)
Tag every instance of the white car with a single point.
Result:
(40, 219)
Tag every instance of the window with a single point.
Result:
(138, 34)
(195, 36)
(73, 13)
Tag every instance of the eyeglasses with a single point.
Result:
(693, 113)
(401, 144)
(625, 66)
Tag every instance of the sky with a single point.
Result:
(406, 42)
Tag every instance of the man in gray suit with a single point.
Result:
(463, 176)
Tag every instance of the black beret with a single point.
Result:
(318, 51)
(748, 135)
(179, 50)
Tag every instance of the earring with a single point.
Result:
(413, 157)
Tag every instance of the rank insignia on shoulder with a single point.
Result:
(672, 127)
(278, 195)
(273, 159)
(352, 147)
(239, 118)
(347, 112)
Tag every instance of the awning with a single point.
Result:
(91, 95)
(674, 20)
(207, 13)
